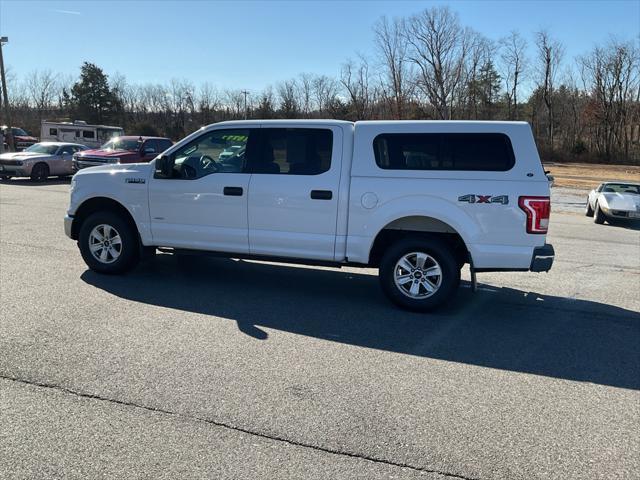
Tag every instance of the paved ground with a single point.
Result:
(231, 369)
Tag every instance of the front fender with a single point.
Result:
(116, 184)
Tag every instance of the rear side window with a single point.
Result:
(444, 151)
(151, 145)
(295, 151)
(53, 131)
(163, 145)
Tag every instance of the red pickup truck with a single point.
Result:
(21, 139)
(125, 149)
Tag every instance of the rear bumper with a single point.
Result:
(542, 259)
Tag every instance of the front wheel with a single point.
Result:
(108, 244)
(40, 172)
(419, 274)
(588, 211)
(598, 215)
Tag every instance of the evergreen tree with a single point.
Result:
(91, 97)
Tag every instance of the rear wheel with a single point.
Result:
(588, 211)
(40, 172)
(598, 216)
(108, 244)
(419, 274)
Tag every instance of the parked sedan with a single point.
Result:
(40, 161)
(614, 200)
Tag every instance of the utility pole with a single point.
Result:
(7, 112)
(245, 93)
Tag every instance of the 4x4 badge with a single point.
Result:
(471, 198)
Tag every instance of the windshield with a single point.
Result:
(16, 131)
(42, 148)
(122, 144)
(621, 188)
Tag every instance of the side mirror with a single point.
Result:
(163, 167)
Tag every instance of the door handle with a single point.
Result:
(321, 194)
(233, 191)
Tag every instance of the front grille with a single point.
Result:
(93, 159)
(15, 163)
(620, 213)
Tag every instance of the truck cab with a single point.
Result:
(417, 200)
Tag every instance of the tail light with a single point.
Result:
(538, 210)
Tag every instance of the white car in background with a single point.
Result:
(613, 201)
(40, 161)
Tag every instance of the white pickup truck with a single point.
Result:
(416, 199)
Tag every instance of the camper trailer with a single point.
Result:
(79, 132)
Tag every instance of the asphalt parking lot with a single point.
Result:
(193, 367)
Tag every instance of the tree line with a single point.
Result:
(425, 66)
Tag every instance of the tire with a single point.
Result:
(598, 216)
(114, 258)
(588, 211)
(434, 253)
(39, 172)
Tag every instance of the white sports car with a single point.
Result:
(614, 200)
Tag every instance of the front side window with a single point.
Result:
(67, 150)
(223, 151)
(444, 151)
(295, 151)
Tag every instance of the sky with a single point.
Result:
(252, 44)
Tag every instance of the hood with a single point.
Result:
(622, 201)
(107, 153)
(24, 156)
(25, 138)
(141, 169)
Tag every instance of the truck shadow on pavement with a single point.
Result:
(496, 327)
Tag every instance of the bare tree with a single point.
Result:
(42, 88)
(234, 100)
(514, 60)
(305, 94)
(325, 91)
(288, 98)
(612, 74)
(356, 81)
(438, 47)
(266, 105)
(397, 76)
(550, 53)
(208, 102)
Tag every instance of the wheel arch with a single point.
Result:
(418, 225)
(41, 162)
(96, 204)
